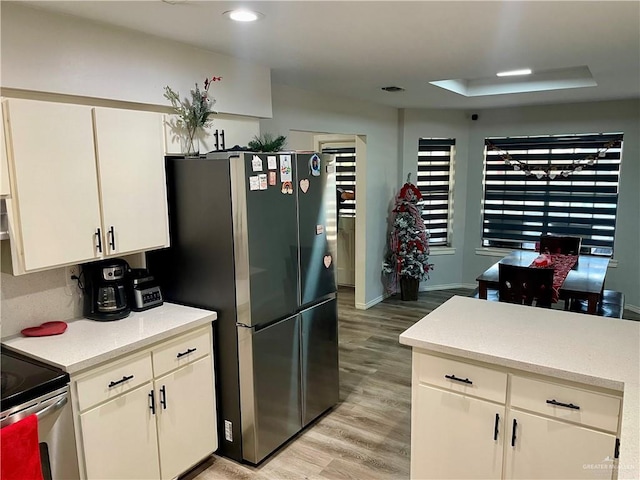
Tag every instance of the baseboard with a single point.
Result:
(633, 308)
(426, 288)
(366, 306)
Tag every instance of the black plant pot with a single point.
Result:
(409, 288)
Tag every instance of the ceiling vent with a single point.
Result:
(393, 89)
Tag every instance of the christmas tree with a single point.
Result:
(408, 249)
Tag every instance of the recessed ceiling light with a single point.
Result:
(513, 73)
(243, 15)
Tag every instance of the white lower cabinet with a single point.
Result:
(186, 421)
(150, 414)
(464, 427)
(119, 438)
(456, 436)
(545, 448)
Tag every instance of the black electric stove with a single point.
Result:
(23, 379)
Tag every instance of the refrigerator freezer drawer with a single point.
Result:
(319, 354)
(270, 394)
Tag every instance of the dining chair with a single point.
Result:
(560, 244)
(610, 305)
(524, 285)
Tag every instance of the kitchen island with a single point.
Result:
(142, 390)
(518, 355)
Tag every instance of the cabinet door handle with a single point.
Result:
(189, 350)
(560, 404)
(98, 235)
(152, 402)
(495, 427)
(112, 239)
(513, 433)
(222, 139)
(463, 380)
(163, 397)
(122, 380)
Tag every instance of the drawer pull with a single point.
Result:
(189, 350)
(152, 402)
(163, 397)
(495, 427)
(98, 235)
(122, 380)
(560, 404)
(463, 380)
(513, 433)
(112, 239)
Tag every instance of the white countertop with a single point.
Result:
(593, 350)
(87, 343)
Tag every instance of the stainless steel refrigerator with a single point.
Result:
(253, 236)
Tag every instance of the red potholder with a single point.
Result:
(48, 328)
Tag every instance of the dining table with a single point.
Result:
(585, 280)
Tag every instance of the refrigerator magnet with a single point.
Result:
(262, 178)
(287, 187)
(254, 183)
(314, 165)
(272, 178)
(327, 261)
(304, 185)
(256, 163)
(319, 229)
(285, 168)
(271, 162)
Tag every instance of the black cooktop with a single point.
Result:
(23, 379)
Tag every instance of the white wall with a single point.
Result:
(613, 116)
(442, 124)
(377, 179)
(47, 52)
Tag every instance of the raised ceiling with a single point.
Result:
(354, 48)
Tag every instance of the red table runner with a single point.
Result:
(562, 265)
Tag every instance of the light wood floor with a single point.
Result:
(367, 435)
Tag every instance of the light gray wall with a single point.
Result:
(47, 52)
(596, 117)
(441, 124)
(295, 109)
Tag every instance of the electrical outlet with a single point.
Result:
(70, 272)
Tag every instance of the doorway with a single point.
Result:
(350, 151)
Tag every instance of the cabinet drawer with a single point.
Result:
(179, 352)
(461, 377)
(580, 406)
(113, 380)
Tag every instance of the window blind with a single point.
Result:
(434, 173)
(518, 208)
(345, 176)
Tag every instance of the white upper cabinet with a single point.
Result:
(88, 183)
(54, 213)
(5, 187)
(132, 179)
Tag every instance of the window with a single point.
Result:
(434, 182)
(520, 205)
(345, 176)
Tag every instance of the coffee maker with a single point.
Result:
(104, 287)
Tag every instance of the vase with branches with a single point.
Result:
(193, 114)
(407, 261)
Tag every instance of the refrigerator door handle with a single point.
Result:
(238, 324)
